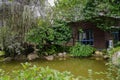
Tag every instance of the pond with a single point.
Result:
(78, 67)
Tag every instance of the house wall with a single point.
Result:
(100, 37)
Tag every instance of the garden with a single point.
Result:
(37, 41)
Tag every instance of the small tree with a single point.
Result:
(57, 34)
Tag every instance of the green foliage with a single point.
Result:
(69, 10)
(36, 73)
(77, 10)
(17, 20)
(41, 35)
(30, 72)
(108, 8)
(62, 33)
(14, 49)
(49, 50)
(114, 50)
(5, 37)
(117, 44)
(59, 33)
(10, 42)
(44, 36)
(80, 50)
(2, 53)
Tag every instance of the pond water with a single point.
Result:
(78, 67)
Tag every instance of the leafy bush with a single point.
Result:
(36, 73)
(43, 35)
(14, 49)
(62, 33)
(113, 50)
(58, 33)
(40, 35)
(117, 44)
(48, 50)
(80, 50)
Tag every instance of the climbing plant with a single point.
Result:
(105, 12)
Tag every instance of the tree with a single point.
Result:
(58, 33)
(49, 38)
(18, 17)
(69, 10)
(101, 12)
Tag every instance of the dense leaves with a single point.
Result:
(62, 33)
(92, 10)
(80, 50)
(69, 10)
(56, 34)
(41, 35)
(48, 37)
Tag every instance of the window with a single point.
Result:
(86, 37)
(115, 36)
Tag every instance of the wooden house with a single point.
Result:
(87, 32)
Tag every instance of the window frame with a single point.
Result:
(89, 35)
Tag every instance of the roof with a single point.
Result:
(111, 22)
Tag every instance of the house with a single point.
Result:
(87, 32)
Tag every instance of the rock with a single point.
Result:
(98, 53)
(106, 57)
(20, 57)
(98, 58)
(116, 58)
(62, 54)
(32, 56)
(49, 58)
(8, 59)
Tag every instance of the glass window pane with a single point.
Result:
(86, 37)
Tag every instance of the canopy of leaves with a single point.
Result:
(69, 10)
(62, 33)
(58, 33)
(93, 10)
(42, 34)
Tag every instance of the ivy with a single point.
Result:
(78, 10)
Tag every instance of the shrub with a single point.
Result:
(80, 50)
(62, 33)
(48, 50)
(117, 44)
(113, 50)
(14, 49)
(46, 34)
(36, 73)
